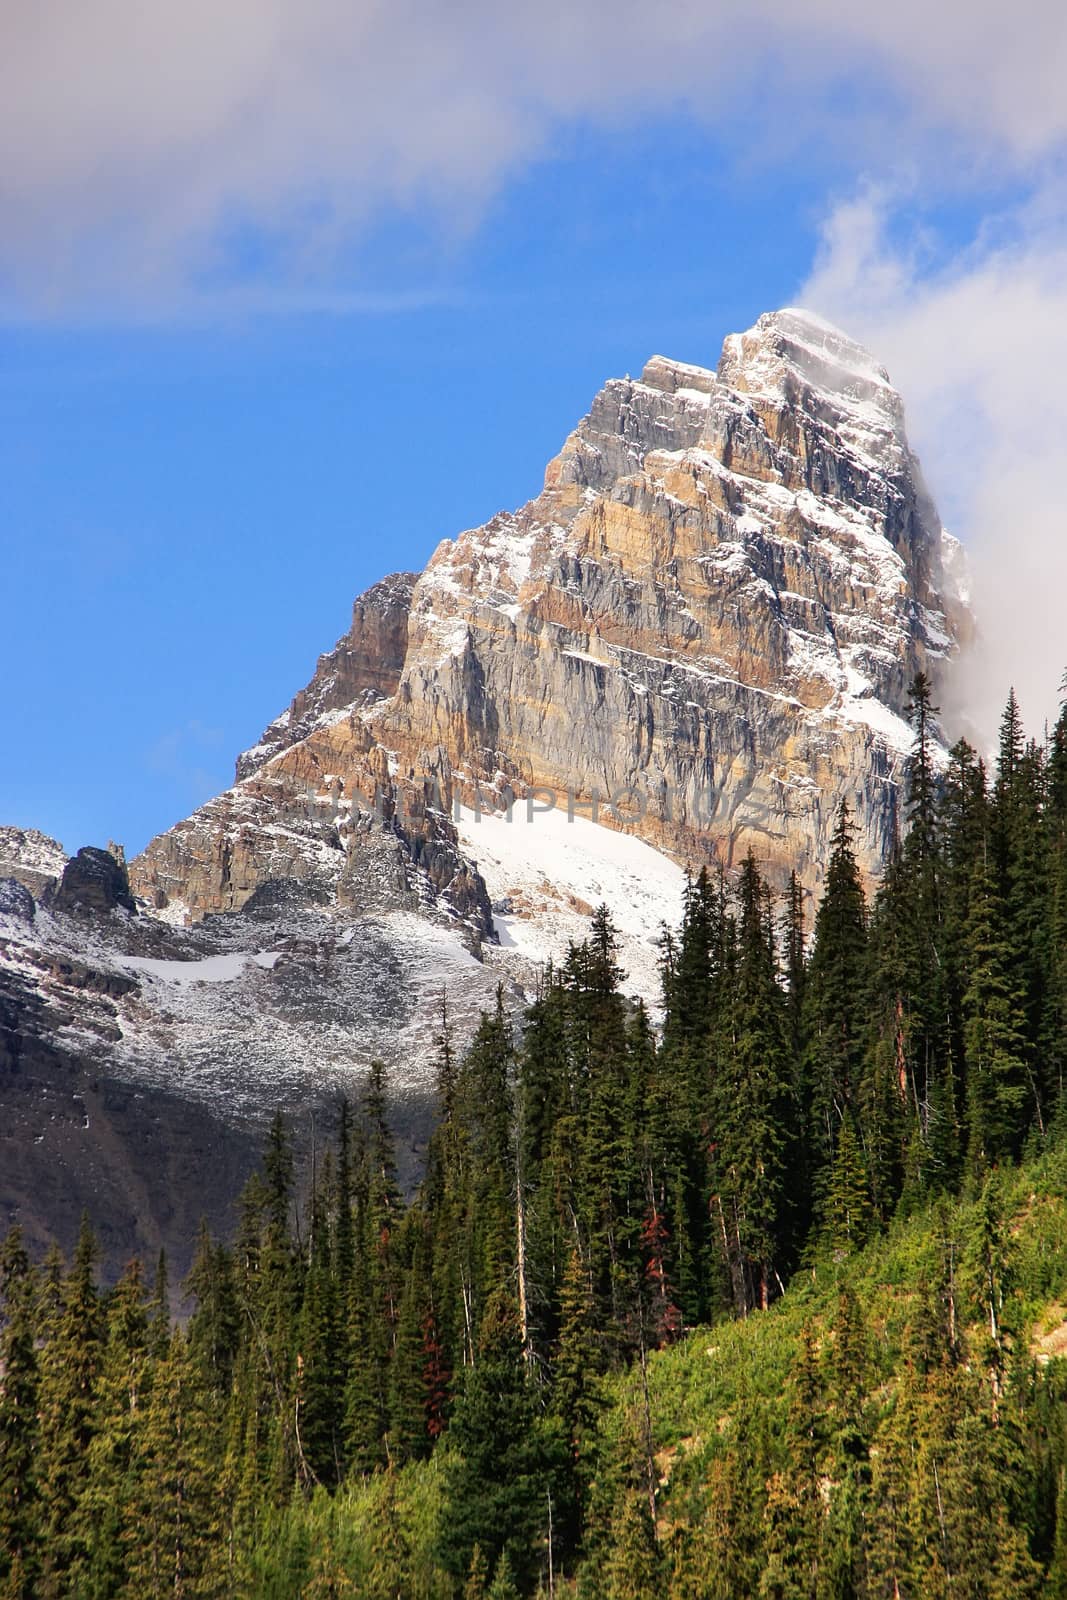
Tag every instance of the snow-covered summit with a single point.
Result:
(792, 344)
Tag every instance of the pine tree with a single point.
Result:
(320, 1363)
(691, 974)
(409, 1437)
(366, 1407)
(795, 1512)
(214, 1328)
(503, 1586)
(841, 1555)
(477, 1584)
(964, 825)
(436, 1378)
(848, 1206)
(1018, 860)
(120, 1402)
(836, 1000)
(994, 1042)
(172, 1542)
(634, 1567)
(601, 1138)
(19, 1495)
(70, 1367)
(794, 945)
(485, 1111)
(911, 995)
(754, 1111)
(505, 1458)
(376, 1285)
(577, 1394)
(159, 1307)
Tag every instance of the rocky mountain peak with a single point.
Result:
(714, 608)
(793, 345)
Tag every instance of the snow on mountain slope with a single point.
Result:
(247, 1013)
(209, 969)
(546, 873)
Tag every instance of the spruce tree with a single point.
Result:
(847, 1214)
(19, 1381)
(994, 1042)
(320, 1363)
(836, 999)
(70, 1368)
(506, 1458)
(634, 1567)
(409, 1436)
(577, 1394)
(172, 1545)
(214, 1328)
(120, 1404)
(754, 1112)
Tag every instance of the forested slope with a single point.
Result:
(755, 1303)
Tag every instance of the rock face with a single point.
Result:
(705, 626)
(93, 881)
(363, 666)
(16, 901)
(32, 858)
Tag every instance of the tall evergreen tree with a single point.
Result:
(506, 1459)
(994, 1039)
(121, 1400)
(70, 1368)
(19, 1492)
(754, 1112)
(835, 1005)
(173, 1547)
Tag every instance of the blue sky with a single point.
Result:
(222, 415)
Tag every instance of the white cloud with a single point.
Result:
(978, 347)
(142, 145)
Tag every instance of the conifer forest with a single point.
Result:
(766, 1296)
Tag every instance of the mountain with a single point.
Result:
(711, 614)
(701, 632)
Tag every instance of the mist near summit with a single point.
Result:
(978, 348)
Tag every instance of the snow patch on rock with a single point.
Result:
(547, 872)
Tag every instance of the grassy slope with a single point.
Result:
(703, 1391)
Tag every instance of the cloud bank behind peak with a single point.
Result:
(146, 151)
(978, 346)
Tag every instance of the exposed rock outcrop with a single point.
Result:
(16, 901)
(364, 665)
(32, 858)
(93, 881)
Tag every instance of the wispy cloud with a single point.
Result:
(978, 345)
(141, 146)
